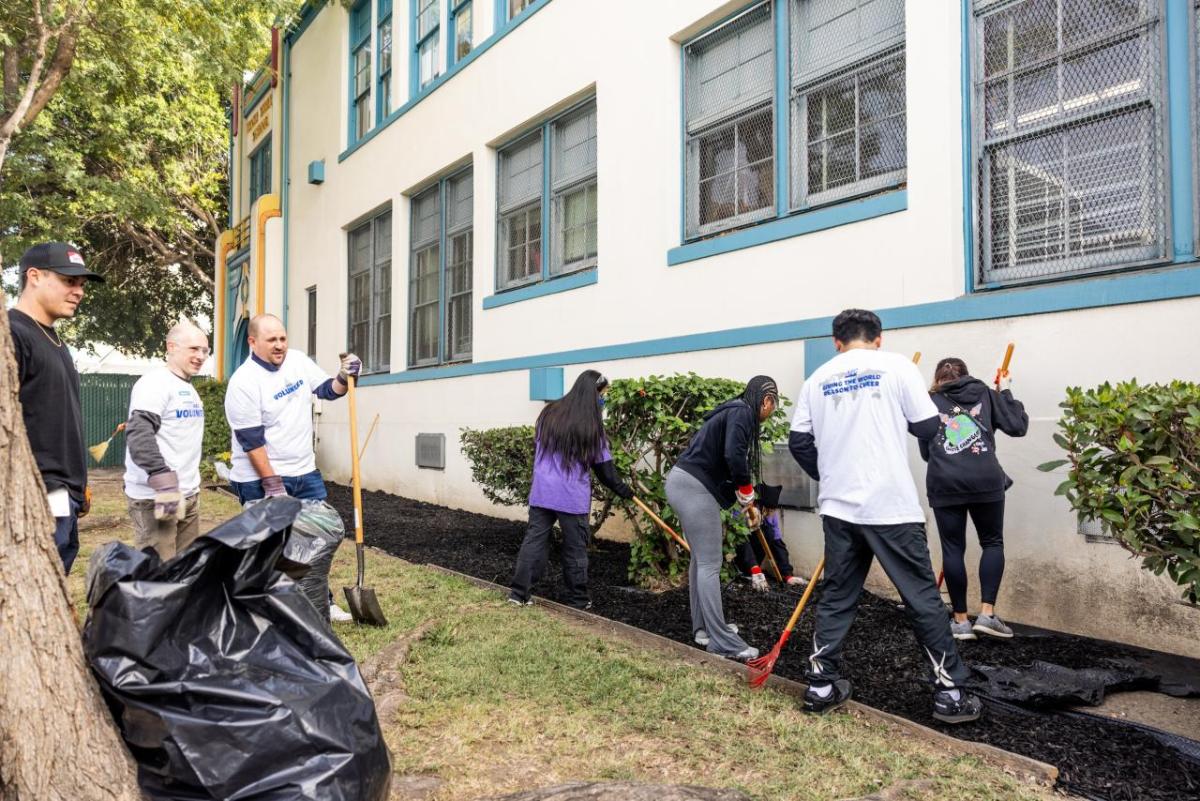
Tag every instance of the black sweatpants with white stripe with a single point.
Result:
(904, 555)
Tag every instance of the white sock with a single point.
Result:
(822, 690)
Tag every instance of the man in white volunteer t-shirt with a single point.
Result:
(850, 432)
(163, 439)
(269, 405)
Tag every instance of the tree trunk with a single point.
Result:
(57, 738)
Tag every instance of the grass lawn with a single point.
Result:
(496, 699)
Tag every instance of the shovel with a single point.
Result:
(364, 606)
(98, 451)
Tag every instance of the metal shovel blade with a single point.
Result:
(364, 606)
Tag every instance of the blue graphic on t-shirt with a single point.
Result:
(289, 389)
(850, 383)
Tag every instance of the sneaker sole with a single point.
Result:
(825, 710)
(968, 636)
(957, 718)
(992, 632)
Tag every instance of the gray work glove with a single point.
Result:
(351, 366)
(168, 502)
(273, 486)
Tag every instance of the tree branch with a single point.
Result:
(60, 65)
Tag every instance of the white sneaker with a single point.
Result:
(339, 615)
(750, 652)
(701, 637)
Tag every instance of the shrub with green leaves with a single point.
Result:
(1134, 456)
(649, 423)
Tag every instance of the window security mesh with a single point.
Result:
(573, 177)
(849, 127)
(1067, 118)
(521, 212)
(460, 203)
(728, 97)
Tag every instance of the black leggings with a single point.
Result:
(952, 529)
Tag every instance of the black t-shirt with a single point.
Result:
(50, 402)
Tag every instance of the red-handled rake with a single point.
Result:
(759, 669)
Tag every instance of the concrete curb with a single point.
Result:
(1023, 766)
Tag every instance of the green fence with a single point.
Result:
(105, 404)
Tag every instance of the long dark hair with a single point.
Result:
(948, 370)
(572, 427)
(757, 390)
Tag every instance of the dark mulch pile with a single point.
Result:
(1097, 758)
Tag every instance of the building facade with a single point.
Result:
(484, 197)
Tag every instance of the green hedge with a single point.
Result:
(216, 427)
(1134, 452)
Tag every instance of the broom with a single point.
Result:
(98, 451)
(759, 669)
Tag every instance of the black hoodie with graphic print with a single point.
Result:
(963, 467)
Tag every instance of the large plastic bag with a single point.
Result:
(316, 535)
(222, 677)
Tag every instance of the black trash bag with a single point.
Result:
(316, 535)
(223, 680)
(1045, 685)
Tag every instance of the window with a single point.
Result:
(520, 237)
(360, 50)
(849, 128)
(1068, 135)
(260, 171)
(384, 38)
(515, 7)
(729, 81)
(573, 187)
(839, 104)
(428, 17)
(570, 208)
(370, 312)
(462, 29)
(440, 272)
(311, 292)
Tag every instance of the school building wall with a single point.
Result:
(655, 306)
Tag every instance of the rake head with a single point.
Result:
(759, 670)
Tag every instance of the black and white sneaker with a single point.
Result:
(956, 706)
(822, 698)
(515, 601)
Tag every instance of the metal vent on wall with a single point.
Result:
(799, 491)
(431, 451)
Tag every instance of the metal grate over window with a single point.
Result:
(729, 109)
(460, 245)
(849, 125)
(573, 186)
(521, 212)
(1067, 117)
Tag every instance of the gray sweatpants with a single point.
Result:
(700, 515)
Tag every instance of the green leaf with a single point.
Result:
(1047, 467)
(1158, 461)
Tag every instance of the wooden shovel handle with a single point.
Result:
(354, 476)
(1003, 371)
(662, 524)
(917, 357)
(762, 538)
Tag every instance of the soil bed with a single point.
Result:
(1097, 758)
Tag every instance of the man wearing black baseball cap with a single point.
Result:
(53, 276)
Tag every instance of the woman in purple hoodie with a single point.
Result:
(569, 441)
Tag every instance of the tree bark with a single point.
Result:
(57, 738)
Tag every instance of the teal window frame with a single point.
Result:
(384, 59)
(787, 216)
(444, 241)
(547, 197)
(419, 41)
(360, 42)
(456, 9)
(260, 170)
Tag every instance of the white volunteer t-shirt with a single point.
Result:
(858, 406)
(180, 436)
(280, 401)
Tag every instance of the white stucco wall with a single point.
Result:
(627, 54)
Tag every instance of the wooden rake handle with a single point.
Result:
(662, 524)
(791, 624)
(1003, 371)
(762, 538)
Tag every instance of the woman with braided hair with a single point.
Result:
(715, 472)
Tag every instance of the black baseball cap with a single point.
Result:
(60, 257)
